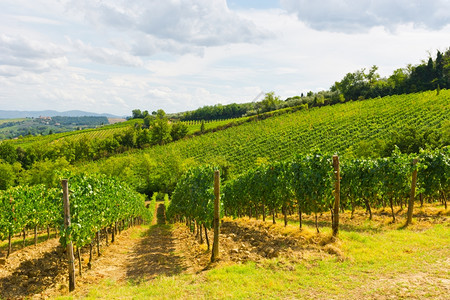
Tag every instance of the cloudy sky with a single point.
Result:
(112, 56)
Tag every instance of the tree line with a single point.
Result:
(432, 74)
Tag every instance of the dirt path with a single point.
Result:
(139, 253)
(154, 254)
(144, 252)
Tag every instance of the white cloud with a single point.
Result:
(361, 15)
(19, 54)
(201, 23)
(117, 55)
(107, 55)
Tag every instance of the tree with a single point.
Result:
(148, 120)
(352, 86)
(160, 129)
(8, 174)
(397, 80)
(178, 131)
(136, 114)
(7, 152)
(46, 172)
(439, 70)
(129, 138)
(142, 137)
(269, 103)
(446, 69)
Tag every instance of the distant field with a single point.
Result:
(11, 120)
(116, 120)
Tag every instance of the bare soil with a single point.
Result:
(142, 253)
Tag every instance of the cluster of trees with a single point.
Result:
(218, 111)
(430, 75)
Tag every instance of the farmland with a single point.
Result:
(276, 166)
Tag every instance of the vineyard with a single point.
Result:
(98, 206)
(306, 185)
(277, 169)
(331, 129)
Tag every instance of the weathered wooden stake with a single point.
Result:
(215, 248)
(69, 249)
(337, 195)
(413, 194)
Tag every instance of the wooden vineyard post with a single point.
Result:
(413, 193)
(69, 249)
(215, 248)
(337, 195)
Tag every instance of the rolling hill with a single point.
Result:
(334, 129)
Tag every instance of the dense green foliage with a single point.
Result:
(193, 197)
(29, 206)
(306, 184)
(218, 111)
(96, 202)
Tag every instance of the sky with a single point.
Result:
(113, 56)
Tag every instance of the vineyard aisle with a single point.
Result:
(139, 253)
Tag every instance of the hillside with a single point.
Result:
(333, 129)
(372, 250)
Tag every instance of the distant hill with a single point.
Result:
(13, 114)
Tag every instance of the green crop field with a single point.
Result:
(331, 129)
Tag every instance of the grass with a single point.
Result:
(388, 262)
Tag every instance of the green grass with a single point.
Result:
(374, 266)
